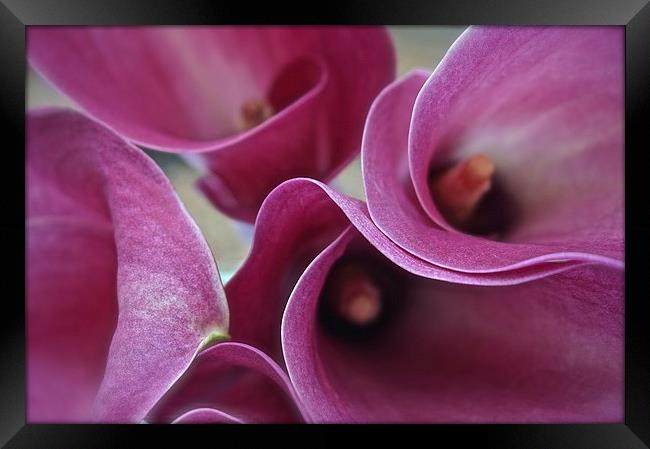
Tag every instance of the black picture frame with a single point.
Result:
(15, 15)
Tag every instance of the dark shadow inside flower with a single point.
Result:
(472, 197)
(361, 297)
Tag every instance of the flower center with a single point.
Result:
(359, 298)
(253, 112)
(474, 199)
(458, 190)
(353, 295)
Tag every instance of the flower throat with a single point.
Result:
(358, 298)
(470, 197)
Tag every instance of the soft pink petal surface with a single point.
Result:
(69, 322)
(549, 350)
(237, 382)
(292, 227)
(121, 286)
(181, 89)
(546, 105)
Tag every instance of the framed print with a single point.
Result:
(374, 215)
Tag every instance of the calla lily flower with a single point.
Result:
(253, 106)
(371, 333)
(122, 289)
(512, 149)
(421, 350)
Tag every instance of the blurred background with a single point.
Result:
(416, 47)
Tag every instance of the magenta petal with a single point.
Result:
(546, 105)
(550, 350)
(68, 334)
(122, 288)
(237, 382)
(294, 224)
(318, 198)
(181, 89)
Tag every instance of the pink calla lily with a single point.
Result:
(538, 344)
(548, 350)
(122, 289)
(544, 105)
(258, 104)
